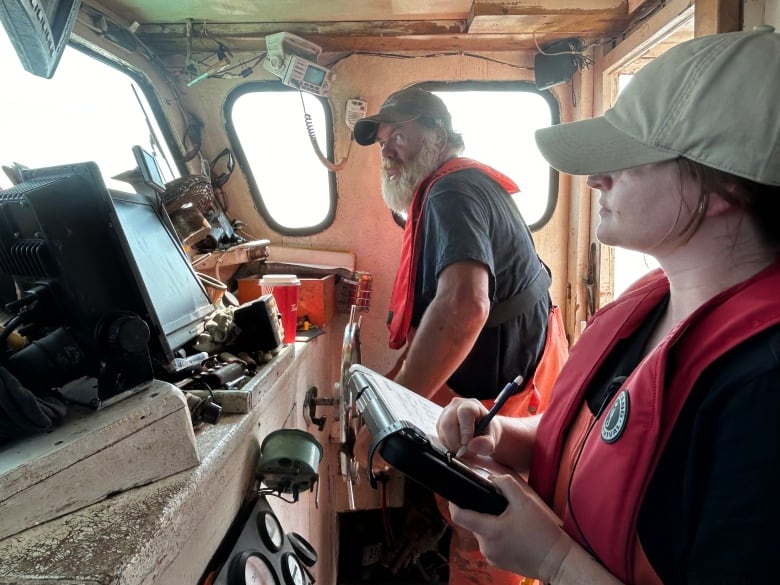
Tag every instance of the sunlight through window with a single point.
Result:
(292, 182)
(498, 128)
(87, 112)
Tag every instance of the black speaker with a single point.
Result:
(557, 62)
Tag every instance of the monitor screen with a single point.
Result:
(176, 299)
(88, 254)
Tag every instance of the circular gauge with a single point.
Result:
(270, 530)
(251, 568)
(294, 573)
(303, 549)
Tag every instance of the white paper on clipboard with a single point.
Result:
(403, 404)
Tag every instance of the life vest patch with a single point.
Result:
(615, 422)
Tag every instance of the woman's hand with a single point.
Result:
(507, 440)
(526, 538)
(456, 427)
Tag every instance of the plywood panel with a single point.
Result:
(717, 16)
(584, 18)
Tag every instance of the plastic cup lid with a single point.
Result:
(279, 279)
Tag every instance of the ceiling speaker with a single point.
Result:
(557, 62)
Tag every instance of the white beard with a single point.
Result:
(399, 191)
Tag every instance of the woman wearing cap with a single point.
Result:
(658, 458)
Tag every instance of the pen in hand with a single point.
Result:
(502, 397)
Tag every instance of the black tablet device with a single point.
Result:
(402, 427)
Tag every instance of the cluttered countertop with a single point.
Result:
(166, 530)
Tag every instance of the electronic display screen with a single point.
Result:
(173, 290)
(114, 251)
(105, 256)
(314, 75)
(150, 170)
(177, 302)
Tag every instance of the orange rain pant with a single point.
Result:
(467, 564)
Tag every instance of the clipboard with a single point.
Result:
(403, 431)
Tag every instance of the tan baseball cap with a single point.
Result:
(713, 99)
(408, 104)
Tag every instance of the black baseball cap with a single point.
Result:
(408, 104)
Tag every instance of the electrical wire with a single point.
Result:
(248, 66)
(430, 56)
(272, 492)
(581, 60)
(315, 145)
(165, 71)
(243, 232)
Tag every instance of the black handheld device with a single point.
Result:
(414, 452)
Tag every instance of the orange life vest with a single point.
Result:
(619, 456)
(399, 319)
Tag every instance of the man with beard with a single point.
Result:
(470, 300)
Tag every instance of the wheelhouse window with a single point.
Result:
(498, 121)
(273, 127)
(73, 117)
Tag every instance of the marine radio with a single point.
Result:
(294, 61)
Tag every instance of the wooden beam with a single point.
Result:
(650, 32)
(598, 25)
(562, 16)
(549, 6)
(493, 25)
(717, 16)
(165, 47)
(168, 39)
(634, 5)
(260, 30)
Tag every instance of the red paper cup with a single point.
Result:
(284, 287)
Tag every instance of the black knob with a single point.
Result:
(128, 333)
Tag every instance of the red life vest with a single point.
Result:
(402, 298)
(611, 478)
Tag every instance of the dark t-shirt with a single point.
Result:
(711, 514)
(469, 217)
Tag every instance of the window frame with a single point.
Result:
(555, 117)
(241, 158)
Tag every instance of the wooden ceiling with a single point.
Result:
(174, 26)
